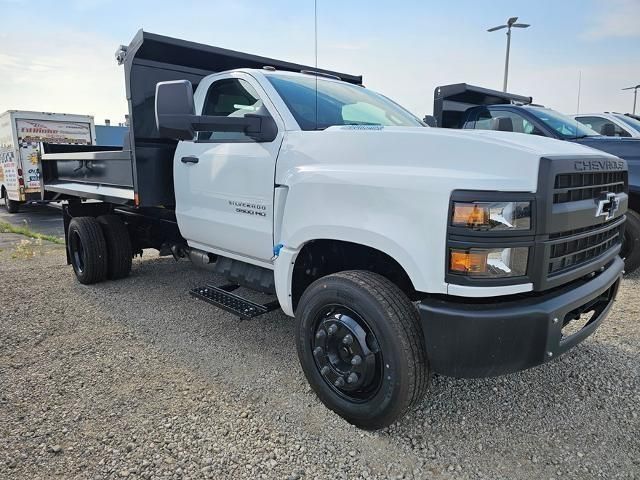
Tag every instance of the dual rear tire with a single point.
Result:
(99, 248)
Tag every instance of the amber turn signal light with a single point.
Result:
(465, 262)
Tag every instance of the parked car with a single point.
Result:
(471, 107)
(610, 124)
(400, 249)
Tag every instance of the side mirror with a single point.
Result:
(175, 110)
(267, 130)
(430, 120)
(176, 118)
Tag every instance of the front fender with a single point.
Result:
(390, 213)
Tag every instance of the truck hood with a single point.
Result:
(626, 148)
(473, 159)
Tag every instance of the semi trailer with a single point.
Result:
(21, 132)
(401, 250)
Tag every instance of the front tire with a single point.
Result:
(87, 250)
(631, 243)
(361, 347)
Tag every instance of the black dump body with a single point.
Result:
(450, 102)
(141, 173)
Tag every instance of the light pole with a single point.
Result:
(511, 23)
(635, 96)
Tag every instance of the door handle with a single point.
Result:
(189, 159)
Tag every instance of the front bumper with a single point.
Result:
(481, 339)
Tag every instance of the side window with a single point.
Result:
(231, 97)
(604, 126)
(505, 121)
(594, 123)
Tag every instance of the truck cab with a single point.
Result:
(397, 251)
(476, 108)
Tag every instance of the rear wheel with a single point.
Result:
(87, 250)
(118, 246)
(631, 243)
(361, 347)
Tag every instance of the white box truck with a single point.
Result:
(20, 134)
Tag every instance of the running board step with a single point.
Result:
(223, 297)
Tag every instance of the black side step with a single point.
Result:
(223, 297)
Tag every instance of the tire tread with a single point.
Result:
(118, 246)
(404, 312)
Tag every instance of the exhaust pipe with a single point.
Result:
(200, 258)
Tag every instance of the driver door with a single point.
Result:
(224, 181)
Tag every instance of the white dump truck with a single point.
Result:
(20, 134)
(401, 250)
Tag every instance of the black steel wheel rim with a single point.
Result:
(77, 252)
(347, 353)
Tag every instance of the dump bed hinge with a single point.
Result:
(224, 298)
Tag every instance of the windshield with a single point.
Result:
(632, 122)
(337, 103)
(565, 126)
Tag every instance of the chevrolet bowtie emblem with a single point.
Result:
(608, 205)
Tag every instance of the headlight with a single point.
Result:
(492, 216)
(489, 262)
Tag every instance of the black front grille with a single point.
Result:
(575, 249)
(573, 187)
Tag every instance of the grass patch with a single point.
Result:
(27, 232)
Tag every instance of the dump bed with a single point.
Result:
(141, 173)
(450, 102)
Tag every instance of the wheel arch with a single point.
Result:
(319, 257)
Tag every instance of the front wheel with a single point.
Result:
(631, 242)
(361, 347)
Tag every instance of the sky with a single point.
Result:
(59, 55)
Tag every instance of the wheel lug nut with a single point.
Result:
(332, 329)
(320, 335)
(339, 382)
(324, 370)
(352, 378)
(348, 339)
(356, 360)
(318, 351)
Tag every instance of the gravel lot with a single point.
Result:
(137, 379)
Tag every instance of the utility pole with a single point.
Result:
(511, 23)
